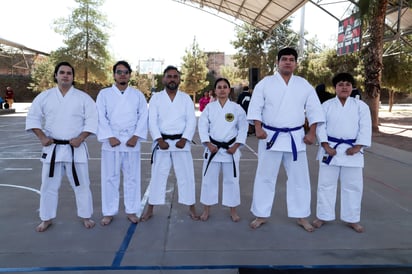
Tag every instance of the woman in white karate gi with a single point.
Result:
(346, 132)
(172, 124)
(62, 118)
(222, 129)
(123, 117)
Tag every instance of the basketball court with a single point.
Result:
(170, 242)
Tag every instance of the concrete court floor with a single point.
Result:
(172, 243)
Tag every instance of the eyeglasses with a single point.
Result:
(122, 72)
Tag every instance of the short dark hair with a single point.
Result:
(288, 51)
(57, 67)
(170, 68)
(124, 63)
(343, 77)
(222, 79)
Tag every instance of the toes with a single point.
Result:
(106, 220)
(258, 222)
(132, 218)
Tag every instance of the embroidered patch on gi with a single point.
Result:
(44, 156)
(229, 117)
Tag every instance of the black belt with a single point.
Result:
(53, 160)
(165, 137)
(219, 145)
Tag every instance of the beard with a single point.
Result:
(172, 86)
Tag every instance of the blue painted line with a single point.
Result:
(123, 247)
(198, 267)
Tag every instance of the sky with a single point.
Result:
(141, 30)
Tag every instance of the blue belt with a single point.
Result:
(338, 142)
(279, 130)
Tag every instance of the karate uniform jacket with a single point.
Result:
(350, 121)
(282, 105)
(223, 124)
(121, 116)
(63, 118)
(172, 117)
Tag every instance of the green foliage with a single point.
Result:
(194, 70)
(42, 75)
(233, 74)
(144, 83)
(397, 71)
(258, 49)
(85, 40)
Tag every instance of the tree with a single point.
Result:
(373, 13)
(194, 71)
(42, 74)
(258, 49)
(85, 40)
(233, 74)
(397, 72)
(144, 83)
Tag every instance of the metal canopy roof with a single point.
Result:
(263, 14)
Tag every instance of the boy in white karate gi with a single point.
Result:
(222, 129)
(62, 118)
(346, 132)
(123, 117)
(172, 124)
(278, 108)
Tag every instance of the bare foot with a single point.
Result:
(106, 220)
(205, 216)
(257, 222)
(317, 223)
(88, 223)
(193, 214)
(148, 214)
(305, 224)
(235, 218)
(357, 227)
(43, 226)
(133, 218)
(233, 215)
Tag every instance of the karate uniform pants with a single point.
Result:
(183, 168)
(209, 194)
(351, 188)
(112, 164)
(49, 191)
(298, 193)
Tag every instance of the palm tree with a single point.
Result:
(373, 12)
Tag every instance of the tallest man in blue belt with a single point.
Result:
(278, 108)
(62, 118)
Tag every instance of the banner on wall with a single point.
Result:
(349, 34)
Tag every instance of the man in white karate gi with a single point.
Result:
(123, 123)
(348, 129)
(172, 124)
(278, 108)
(62, 118)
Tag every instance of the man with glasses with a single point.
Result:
(123, 118)
(62, 118)
(172, 124)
